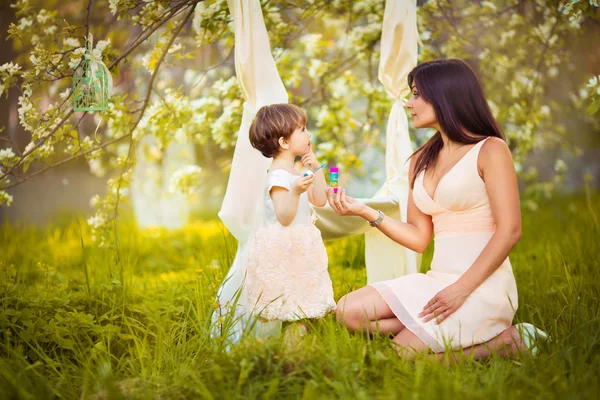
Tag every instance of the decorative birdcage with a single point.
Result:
(92, 82)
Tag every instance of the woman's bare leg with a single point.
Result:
(507, 344)
(365, 310)
(407, 344)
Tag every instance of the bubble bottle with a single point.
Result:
(333, 178)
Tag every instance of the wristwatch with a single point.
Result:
(378, 220)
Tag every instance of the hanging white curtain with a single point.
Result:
(385, 259)
(241, 211)
(153, 203)
(146, 186)
(176, 207)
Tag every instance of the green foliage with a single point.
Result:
(75, 322)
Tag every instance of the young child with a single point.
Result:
(287, 276)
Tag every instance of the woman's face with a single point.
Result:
(422, 112)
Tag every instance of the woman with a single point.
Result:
(463, 187)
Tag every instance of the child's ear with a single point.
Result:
(283, 143)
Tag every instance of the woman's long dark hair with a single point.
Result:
(454, 91)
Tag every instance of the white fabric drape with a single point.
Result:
(153, 203)
(386, 259)
(241, 211)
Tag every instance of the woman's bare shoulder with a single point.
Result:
(494, 153)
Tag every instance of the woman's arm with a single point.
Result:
(414, 234)
(498, 172)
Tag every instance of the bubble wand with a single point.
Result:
(310, 172)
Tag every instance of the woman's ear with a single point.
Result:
(283, 143)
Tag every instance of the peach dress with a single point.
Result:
(463, 225)
(287, 277)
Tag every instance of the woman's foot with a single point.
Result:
(531, 336)
(520, 338)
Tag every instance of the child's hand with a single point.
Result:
(302, 184)
(310, 160)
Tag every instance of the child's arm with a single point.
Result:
(286, 201)
(317, 195)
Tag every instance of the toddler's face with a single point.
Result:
(300, 141)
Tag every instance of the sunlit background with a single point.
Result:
(538, 62)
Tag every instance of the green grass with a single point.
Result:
(76, 323)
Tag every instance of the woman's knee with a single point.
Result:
(408, 345)
(349, 313)
(340, 312)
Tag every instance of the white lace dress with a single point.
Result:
(287, 276)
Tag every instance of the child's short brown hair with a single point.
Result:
(271, 123)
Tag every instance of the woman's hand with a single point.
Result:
(444, 303)
(344, 205)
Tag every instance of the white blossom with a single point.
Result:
(74, 62)
(113, 6)
(24, 23)
(34, 60)
(96, 221)
(96, 168)
(222, 125)
(6, 154)
(181, 136)
(10, 68)
(175, 48)
(94, 201)
(325, 146)
(80, 51)
(560, 166)
(339, 88)
(102, 44)
(311, 43)
(316, 68)
(63, 95)
(5, 198)
(225, 86)
(545, 110)
(71, 42)
(489, 4)
(51, 30)
(186, 180)
(29, 147)
(43, 16)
